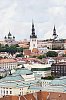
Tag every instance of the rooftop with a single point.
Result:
(7, 60)
(23, 71)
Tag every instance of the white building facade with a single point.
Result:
(8, 64)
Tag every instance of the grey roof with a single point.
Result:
(59, 81)
(23, 71)
(14, 77)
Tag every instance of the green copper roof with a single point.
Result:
(23, 71)
(13, 78)
(59, 81)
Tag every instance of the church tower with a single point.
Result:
(54, 33)
(33, 38)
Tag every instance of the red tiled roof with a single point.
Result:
(42, 95)
(7, 60)
(27, 52)
(35, 50)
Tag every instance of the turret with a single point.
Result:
(9, 35)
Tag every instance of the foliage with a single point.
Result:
(64, 55)
(11, 49)
(1, 77)
(41, 56)
(51, 54)
(19, 55)
(33, 56)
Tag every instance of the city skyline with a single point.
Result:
(16, 17)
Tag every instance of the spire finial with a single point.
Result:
(54, 27)
(32, 22)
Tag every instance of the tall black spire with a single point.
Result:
(54, 31)
(33, 31)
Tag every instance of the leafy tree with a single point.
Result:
(41, 56)
(6, 45)
(51, 54)
(1, 77)
(19, 55)
(10, 49)
(64, 55)
(19, 49)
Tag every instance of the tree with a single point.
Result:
(51, 54)
(41, 56)
(6, 45)
(64, 55)
(11, 49)
(19, 55)
(19, 49)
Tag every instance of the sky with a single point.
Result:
(16, 16)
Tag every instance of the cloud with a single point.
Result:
(57, 11)
(16, 16)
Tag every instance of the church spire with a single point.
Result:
(54, 31)
(33, 31)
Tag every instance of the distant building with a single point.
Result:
(26, 53)
(8, 64)
(3, 72)
(44, 46)
(41, 69)
(33, 38)
(4, 54)
(58, 45)
(24, 44)
(18, 82)
(58, 69)
(10, 40)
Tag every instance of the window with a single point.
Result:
(6, 92)
(1, 91)
(10, 88)
(10, 92)
(33, 45)
(20, 93)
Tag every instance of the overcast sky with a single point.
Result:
(16, 16)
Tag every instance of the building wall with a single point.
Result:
(45, 82)
(8, 65)
(58, 69)
(13, 91)
(43, 44)
(58, 45)
(33, 43)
